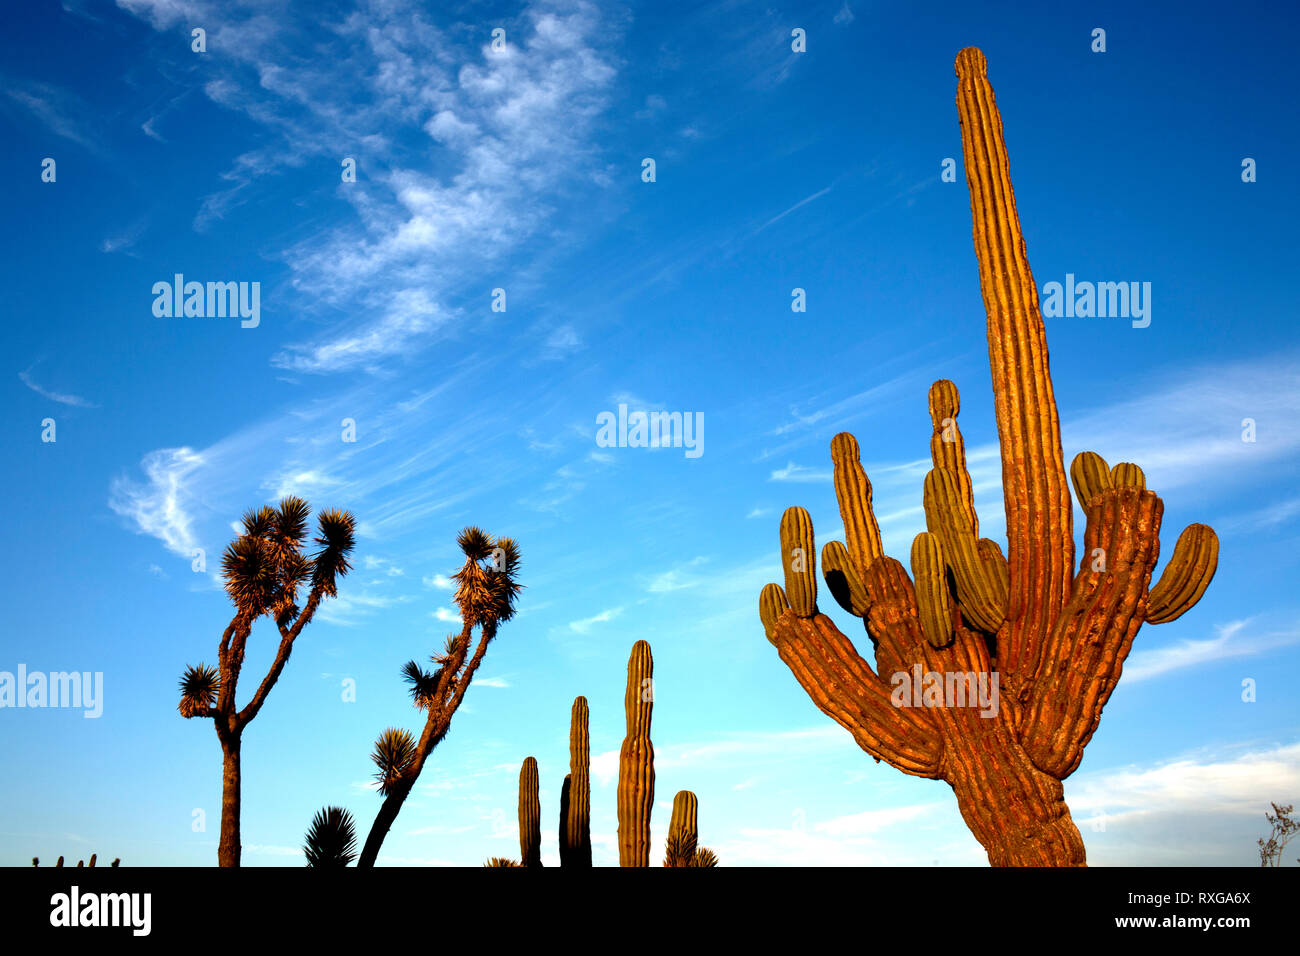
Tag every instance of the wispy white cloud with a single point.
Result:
(59, 110)
(1205, 808)
(676, 579)
(1230, 642)
(793, 472)
(586, 624)
(64, 398)
(799, 205)
(160, 505)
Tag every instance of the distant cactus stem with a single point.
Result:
(577, 820)
(530, 815)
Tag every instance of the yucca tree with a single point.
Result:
(486, 590)
(264, 568)
(332, 840)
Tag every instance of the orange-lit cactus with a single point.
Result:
(1053, 639)
(636, 766)
(575, 835)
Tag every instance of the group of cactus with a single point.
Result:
(636, 788)
(36, 861)
(1055, 637)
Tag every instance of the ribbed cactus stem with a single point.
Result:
(932, 601)
(578, 816)
(979, 591)
(530, 815)
(853, 490)
(948, 449)
(799, 555)
(1039, 517)
(1186, 576)
(1127, 475)
(636, 771)
(843, 580)
(771, 605)
(1091, 477)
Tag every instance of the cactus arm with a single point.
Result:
(846, 689)
(1040, 539)
(1095, 632)
(530, 815)
(1091, 476)
(853, 491)
(950, 516)
(980, 591)
(932, 599)
(948, 448)
(1185, 578)
(799, 560)
(843, 580)
(636, 771)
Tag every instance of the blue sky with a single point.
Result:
(521, 170)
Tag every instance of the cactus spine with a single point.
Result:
(576, 836)
(530, 815)
(1053, 637)
(636, 770)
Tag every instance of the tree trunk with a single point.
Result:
(1015, 810)
(229, 848)
(379, 829)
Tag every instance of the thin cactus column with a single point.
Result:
(577, 820)
(566, 851)
(1039, 645)
(636, 771)
(530, 815)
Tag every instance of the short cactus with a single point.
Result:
(1055, 639)
(635, 786)
(530, 815)
(683, 830)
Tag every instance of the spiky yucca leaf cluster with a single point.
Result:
(332, 839)
(199, 688)
(394, 753)
(501, 861)
(704, 857)
(486, 586)
(423, 684)
(265, 566)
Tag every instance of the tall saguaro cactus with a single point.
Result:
(1051, 640)
(530, 815)
(636, 769)
(575, 837)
